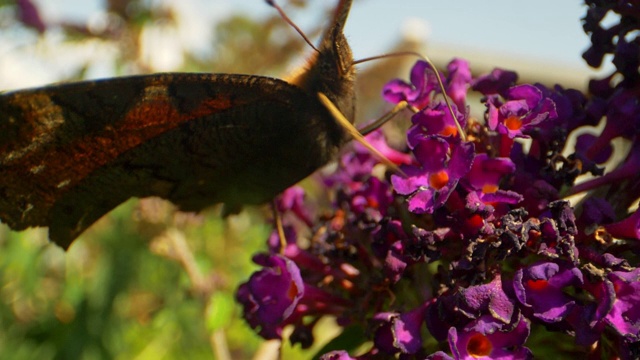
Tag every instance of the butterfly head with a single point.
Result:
(331, 71)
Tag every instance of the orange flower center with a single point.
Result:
(293, 291)
(438, 179)
(449, 130)
(513, 123)
(489, 188)
(479, 346)
(537, 284)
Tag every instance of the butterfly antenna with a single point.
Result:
(284, 16)
(463, 135)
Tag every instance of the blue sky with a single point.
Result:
(545, 29)
(545, 33)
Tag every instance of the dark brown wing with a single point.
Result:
(71, 153)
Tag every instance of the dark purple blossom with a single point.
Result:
(468, 304)
(336, 355)
(440, 355)
(496, 82)
(629, 171)
(399, 332)
(619, 39)
(488, 298)
(486, 338)
(624, 316)
(623, 114)
(541, 289)
(585, 141)
(271, 295)
(292, 199)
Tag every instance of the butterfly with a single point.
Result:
(70, 153)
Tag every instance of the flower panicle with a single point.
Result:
(477, 245)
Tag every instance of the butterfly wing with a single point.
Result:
(71, 153)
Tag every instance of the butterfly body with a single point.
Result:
(71, 153)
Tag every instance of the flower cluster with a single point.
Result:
(474, 252)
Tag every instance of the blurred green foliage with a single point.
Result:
(114, 295)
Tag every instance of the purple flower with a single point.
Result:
(627, 171)
(30, 15)
(617, 38)
(399, 332)
(525, 107)
(484, 179)
(623, 115)
(488, 299)
(292, 199)
(430, 185)
(586, 141)
(336, 355)
(588, 319)
(486, 172)
(458, 81)
(486, 338)
(496, 82)
(469, 304)
(379, 141)
(624, 317)
(435, 119)
(423, 82)
(491, 211)
(439, 355)
(541, 289)
(359, 164)
(271, 294)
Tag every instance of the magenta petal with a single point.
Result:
(400, 332)
(459, 80)
(461, 160)
(431, 152)
(628, 228)
(624, 317)
(439, 355)
(531, 94)
(415, 178)
(422, 202)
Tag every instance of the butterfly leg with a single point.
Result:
(278, 222)
(384, 118)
